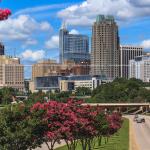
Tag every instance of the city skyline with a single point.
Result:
(32, 31)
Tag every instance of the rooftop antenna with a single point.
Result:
(14, 52)
(64, 26)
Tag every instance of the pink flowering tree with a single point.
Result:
(4, 14)
(85, 125)
(115, 122)
(60, 121)
(74, 123)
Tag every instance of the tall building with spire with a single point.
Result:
(105, 53)
(73, 47)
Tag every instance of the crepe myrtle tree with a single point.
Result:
(4, 13)
(75, 123)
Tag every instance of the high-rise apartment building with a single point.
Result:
(128, 52)
(11, 73)
(73, 47)
(105, 54)
(2, 49)
(139, 68)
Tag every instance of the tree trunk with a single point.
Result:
(48, 146)
(99, 140)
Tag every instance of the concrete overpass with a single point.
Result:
(123, 107)
(118, 104)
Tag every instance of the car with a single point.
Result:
(135, 117)
(140, 120)
(143, 120)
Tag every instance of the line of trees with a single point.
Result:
(122, 90)
(25, 128)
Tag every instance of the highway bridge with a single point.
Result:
(124, 107)
(119, 104)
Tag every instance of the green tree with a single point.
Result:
(83, 91)
(122, 90)
(6, 95)
(20, 130)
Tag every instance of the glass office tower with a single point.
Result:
(73, 47)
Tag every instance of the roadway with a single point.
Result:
(142, 133)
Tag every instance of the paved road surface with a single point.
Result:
(44, 147)
(142, 133)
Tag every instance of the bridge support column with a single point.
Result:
(105, 110)
(119, 109)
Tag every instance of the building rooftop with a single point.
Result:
(101, 18)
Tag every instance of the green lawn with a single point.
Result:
(119, 141)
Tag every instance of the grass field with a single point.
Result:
(119, 141)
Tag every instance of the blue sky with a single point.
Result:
(32, 31)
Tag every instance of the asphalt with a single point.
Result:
(142, 133)
(44, 147)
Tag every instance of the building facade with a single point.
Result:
(2, 49)
(105, 54)
(139, 68)
(47, 83)
(66, 83)
(70, 83)
(52, 68)
(128, 52)
(45, 68)
(11, 73)
(73, 47)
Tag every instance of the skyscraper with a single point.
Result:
(73, 47)
(128, 53)
(105, 54)
(2, 49)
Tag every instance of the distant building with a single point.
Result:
(52, 68)
(26, 85)
(11, 73)
(128, 52)
(139, 68)
(105, 54)
(70, 83)
(2, 49)
(73, 47)
(82, 68)
(47, 83)
(66, 83)
(45, 68)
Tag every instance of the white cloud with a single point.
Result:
(31, 42)
(74, 31)
(146, 44)
(53, 42)
(45, 26)
(33, 55)
(84, 13)
(38, 9)
(21, 28)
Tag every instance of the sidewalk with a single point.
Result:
(44, 147)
